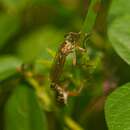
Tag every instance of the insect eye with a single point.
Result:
(65, 43)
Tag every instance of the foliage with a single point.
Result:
(117, 109)
(20, 106)
(118, 31)
(31, 32)
(8, 66)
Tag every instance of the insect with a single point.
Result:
(62, 94)
(70, 44)
(64, 50)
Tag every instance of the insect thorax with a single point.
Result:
(70, 42)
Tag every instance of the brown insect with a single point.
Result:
(71, 42)
(65, 49)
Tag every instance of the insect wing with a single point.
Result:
(57, 66)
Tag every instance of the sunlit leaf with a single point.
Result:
(119, 34)
(118, 8)
(118, 29)
(35, 45)
(117, 109)
(22, 111)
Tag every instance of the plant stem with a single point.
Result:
(91, 16)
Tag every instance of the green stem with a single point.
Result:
(91, 16)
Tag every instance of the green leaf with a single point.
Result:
(117, 109)
(119, 34)
(9, 25)
(22, 111)
(118, 8)
(35, 45)
(118, 29)
(8, 66)
(91, 16)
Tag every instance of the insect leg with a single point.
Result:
(74, 61)
(76, 92)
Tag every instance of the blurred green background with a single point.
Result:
(30, 33)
